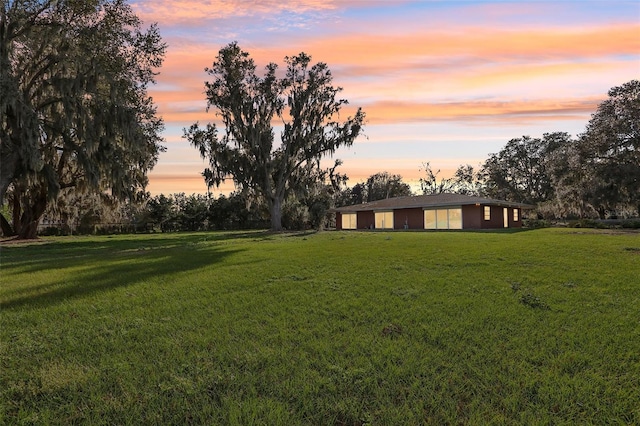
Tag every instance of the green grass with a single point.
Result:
(535, 327)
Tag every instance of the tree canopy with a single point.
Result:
(608, 152)
(303, 100)
(596, 174)
(74, 109)
(383, 185)
(520, 171)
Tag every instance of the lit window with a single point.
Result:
(430, 219)
(487, 212)
(349, 221)
(455, 218)
(443, 219)
(515, 215)
(384, 220)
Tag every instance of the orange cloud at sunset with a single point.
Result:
(392, 111)
(464, 77)
(389, 51)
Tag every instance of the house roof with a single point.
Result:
(427, 201)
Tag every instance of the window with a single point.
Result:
(443, 219)
(384, 220)
(455, 218)
(515, 215)
(430, 219)
(487, 212)
(349, 221)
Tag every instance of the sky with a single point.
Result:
(444, 82)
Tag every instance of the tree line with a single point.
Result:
(79, 133)
(594, 175)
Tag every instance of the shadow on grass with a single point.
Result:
(87, 267)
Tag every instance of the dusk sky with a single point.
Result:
(444, 82)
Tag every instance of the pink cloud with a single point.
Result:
(173, 12)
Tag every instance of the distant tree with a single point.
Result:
(304, 99)
(609, 152)
(193, 211)
(384, 185)
(74, 109)
(161, 211)
(222, 213)
(520, 171)
(240, 210)
(467, 181)
(357, 194)
(429, 184)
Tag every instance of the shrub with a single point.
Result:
(588, 223)
(534, 223)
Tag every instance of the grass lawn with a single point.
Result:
(347, 328)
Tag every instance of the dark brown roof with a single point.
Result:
(425, 201)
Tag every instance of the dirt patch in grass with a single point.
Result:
(15, 241)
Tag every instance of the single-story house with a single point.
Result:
(438, 211)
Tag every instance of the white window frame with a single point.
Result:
(516, 215)
(487, 212)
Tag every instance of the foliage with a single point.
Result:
(304, 99)
(596, 175)
(608, 153)
(74, 109)
(324, 328)
(196, 212)
(430, 185)
(308, 206)
(357, 194)
(378, 186)
(521, 171)
(383, 185)
(466, 180)
(535, 223)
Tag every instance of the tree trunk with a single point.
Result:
(276, 214)
(31, 217)
(7, 230)
(9, 161)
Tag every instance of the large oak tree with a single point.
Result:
(303, 101)
(74, 108)
(608, 153)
